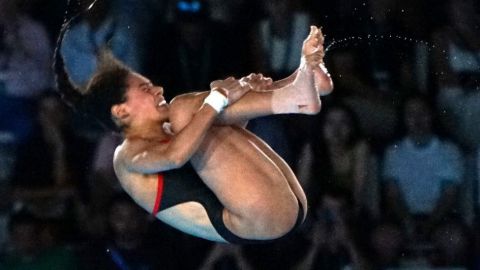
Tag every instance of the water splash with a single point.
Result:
(373, 38)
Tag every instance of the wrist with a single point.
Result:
(216, 100)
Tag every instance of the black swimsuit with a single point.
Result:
(184, 185)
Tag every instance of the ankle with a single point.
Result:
(283, 100)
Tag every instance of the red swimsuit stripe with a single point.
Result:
(158, 199)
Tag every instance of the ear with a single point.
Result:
(120, 111)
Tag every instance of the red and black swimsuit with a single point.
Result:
(184, 185)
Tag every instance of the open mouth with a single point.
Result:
(162, 103)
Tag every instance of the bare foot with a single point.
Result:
(323, 80)
(305, 94)
(312, 54)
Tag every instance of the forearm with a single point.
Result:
(186, 142)
(190, 126)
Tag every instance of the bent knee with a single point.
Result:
(266, 220)
(183, 107)
(277, 222)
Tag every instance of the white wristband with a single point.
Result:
(216, 100)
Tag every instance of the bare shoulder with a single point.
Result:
(126, 152)
(119, 156)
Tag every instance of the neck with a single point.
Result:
(151, 131)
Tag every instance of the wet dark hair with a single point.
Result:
(106, 88)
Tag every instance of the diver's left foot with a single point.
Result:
(323, 80)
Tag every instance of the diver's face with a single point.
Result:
(145, 99)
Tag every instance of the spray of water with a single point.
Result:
(369, 39)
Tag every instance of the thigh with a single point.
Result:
(232, 159)
(192, 218)
(284, 167)
(252, 188)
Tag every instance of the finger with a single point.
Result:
(312, 30)
(243, 84)
(320, 36)
(246, 79)
(215, 83)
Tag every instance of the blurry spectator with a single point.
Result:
(332, 241)
(227, 12)
(476, 188)
(453, 246)
(191, 52)
(341, 166)
(422, 173)
(24, 69)
(340, 19)
(386, 57)
(98, 28)
(103, 184)
(387, 245)
(285, 253)
(376, 109)
(50, 165)
(373, 73)
(276, 49)
(456, 62)
(103, 167)
(226, 257)
(278, 38)
(126, 246)
(29, 250)
(49, 12)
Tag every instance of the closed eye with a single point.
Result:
(146, 86)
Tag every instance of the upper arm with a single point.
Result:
(145, 158)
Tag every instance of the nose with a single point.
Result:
(158, 91)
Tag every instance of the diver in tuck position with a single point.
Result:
(191, 162)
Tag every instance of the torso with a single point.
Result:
(228, 157)
(232, 162)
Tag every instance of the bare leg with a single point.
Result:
(256, 190)
(298, 97)
(286, 170)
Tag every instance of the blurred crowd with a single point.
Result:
(390, 166)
